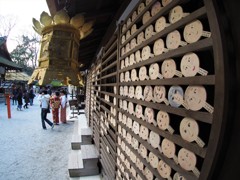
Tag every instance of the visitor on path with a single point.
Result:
(44, 99)
(19, 99)
(14, 96)
(63, 110)
(26, 99)
(31, 96)
(55, 103)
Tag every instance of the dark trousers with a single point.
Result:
(44, 118)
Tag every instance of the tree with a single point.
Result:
(25, 53)
(7, 23)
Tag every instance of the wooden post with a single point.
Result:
(7, 96)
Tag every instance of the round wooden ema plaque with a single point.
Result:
(163, 121)
(128, 48)
(134, 15)
(120, 103)
(129, 120)
(190, 65)
(123, 39)
(173, 40)
(121, 90)
(149, 32)
(139, 177)
(125, 90)
(169, 149)
(144, 132)
(169, 69)
(164, 170)
(125, 105)
(120, 132)
(139, 164)
(124, 27)
(131, 92)
(129, 138)
(133, 171)
(195, 97)
(122, 79)
(124, 119)
(154, 139)
(127, 62)
(127, 76)
(148, 174)
(133, 43)
(134, 143)
(189, 130)
(129, 21)
(136, 127)
(133, 28)
(176, 14)
(161, 24)
(134, 75)
(146, 17)
(130, 108)
(147, 2)
(141, 7)
(128, 34)
(140, 38)
(153, 160)
(177, 176)
(123, 146)
(156, 8)
(139, 111)
(194, 31)
(188, 161)
(149, 116)
(138, 92)
(138, 56)
(175, 96)
(142, 151)
(159, 94)
(148, 93)
(143, 73)
(146, 53)
(154, 71)
(122, 51)
(133, 157)
(158, 47)
(166, 2)
(120, 116)
(122, 64)
(132, 59)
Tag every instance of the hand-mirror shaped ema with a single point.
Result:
(143, 73)
(138, 56)
(133, 157)
(169, 150)
(130, 108)
(129, 121)
(131, 92)
(136, 127)
(175, 97)
(124, 119)
(128, 34)
(161, 24)
(141, 8)
(148, 93)
(189, 131)
(169, 69)
(190, 65)
(133, 43)
(156, 8)
(139, 164)
(134, 143)
(177, 176)
(154, 140)
(173, 40)
(125, 90)
(127, 48)
(138, 93)
(121, 90)
(127, 76)
(144, 132)
(122, 64)
(134, 76)
(164, 170)
(146, 53)
(123, 39)
(153, 160)
(146, 17)
(122, 79)
(159, 94)
(154, 72)
(134, 15)
(158, 47)
(142, 151)
(148, 174)
(166, 2)
(195, 97)
(149, 116)
(129, 21)
(163, 121)
(124, 27)
(194, 31)
(132, 59)
(123, 51)
(147, 2)
(133, 171)
(149, 32)
(129, 138)
(139, 111)
(188, 161)
(140, 38)
(176, 14)
(125, 105)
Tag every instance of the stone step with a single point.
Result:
(83, 162)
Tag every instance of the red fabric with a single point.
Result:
(55, 103)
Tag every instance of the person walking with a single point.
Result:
(44, 99)
(26, 99)
(19, 99)
(14, 96)
(31, 96)
(55, 103)
(63, 110)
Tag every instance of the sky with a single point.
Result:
(24, 11)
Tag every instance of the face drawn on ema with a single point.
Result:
(163, 169)
(193, 31)
(168, 68)
(189, 129)
(190, 64)
(154, 71)
(187, 159)
(168, 148)
(159, 93)
(175, 96)
(163, 120)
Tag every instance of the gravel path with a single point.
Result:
(27, 152)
